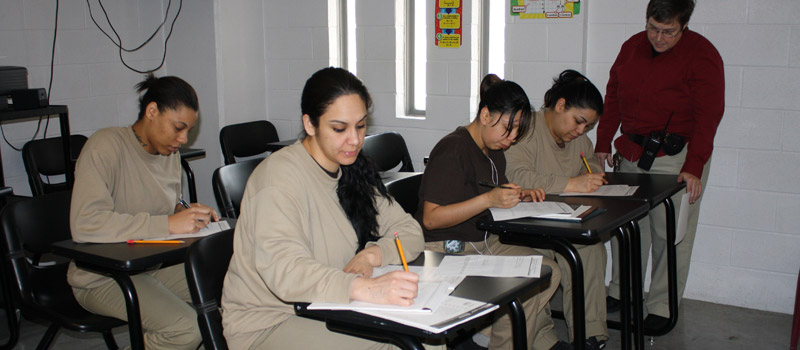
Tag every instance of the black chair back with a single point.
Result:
(246, 139)
(45, 157)
(29, 228)
(406, 192)
(388, 150)
(228, 182)
(206, 266)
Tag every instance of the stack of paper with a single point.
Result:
(542, 210)
(607, 191)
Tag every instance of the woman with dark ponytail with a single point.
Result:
(452, 198)
(315, 220)
(550, 157)
(128, 186)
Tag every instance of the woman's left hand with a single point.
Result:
(532, 195)
(364, 261)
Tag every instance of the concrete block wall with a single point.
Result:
(89, 78)
(746, 247)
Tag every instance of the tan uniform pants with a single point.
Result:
(168, 321)
(653, 229)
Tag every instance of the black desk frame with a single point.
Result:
(628, 234)
(121, 261)
(646, 182)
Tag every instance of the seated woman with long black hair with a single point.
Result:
(315, 219)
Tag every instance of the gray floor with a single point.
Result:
(701, 326)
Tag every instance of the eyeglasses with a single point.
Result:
(667, 33)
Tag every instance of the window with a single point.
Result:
(342, 34)
(416, 58)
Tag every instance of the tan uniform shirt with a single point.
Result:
(537, 160)
(121, 192)
(292, 241)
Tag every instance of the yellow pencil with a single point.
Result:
(586, 163)
(400, 249)
(138, 241)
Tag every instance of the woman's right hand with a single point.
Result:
(504, 197)
(395, 288)
(586, 183)
(190, 220)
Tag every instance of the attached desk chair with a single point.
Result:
(499, 291)
(120, 260)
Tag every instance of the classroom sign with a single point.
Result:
(537, 9)
(447, 20)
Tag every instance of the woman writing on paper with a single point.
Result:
(315, 220)
(452, 198)
(551, 157)
(128, 186)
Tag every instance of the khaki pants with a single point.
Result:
(168, 321)
(541, 332)
(653, 229)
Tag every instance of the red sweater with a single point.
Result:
(644, 90)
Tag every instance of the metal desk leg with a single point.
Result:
(568, 251)
(672, 271)
(636, 282)
(405, 342)
(190, 179)
(624, 325)
(132, 306)
(518, 326)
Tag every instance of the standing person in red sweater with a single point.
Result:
(666, 91)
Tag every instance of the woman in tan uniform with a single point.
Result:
(315, 219)
(128, 186)
(550, 157)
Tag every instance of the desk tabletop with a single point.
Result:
(388, 177)
(653, 188)
(274, 146)
(123, 257)
(189, 153)
(495, 290)
(617, 213)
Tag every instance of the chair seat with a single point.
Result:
(74, 317)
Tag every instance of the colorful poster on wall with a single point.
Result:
(448, 23)
(545, 8)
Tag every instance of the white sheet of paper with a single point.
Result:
(683, 219)
(212, 227)
(432, 290)
(607, 191)
(531, 209)
(429, 297)
(491, 266)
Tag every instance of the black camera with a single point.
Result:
(650, 150)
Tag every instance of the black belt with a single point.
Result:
(636, 138)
